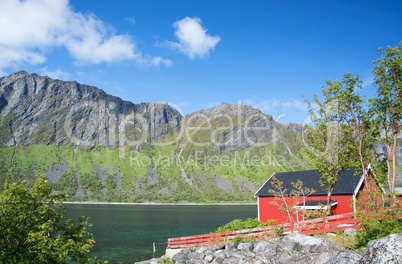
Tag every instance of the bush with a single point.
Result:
(379, 217)
(32, 229)
(375, 227)
(238, 224)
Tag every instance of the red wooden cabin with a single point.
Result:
(344, 196)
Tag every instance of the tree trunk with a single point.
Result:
(392, 187)
(388, 163)
(329, 196)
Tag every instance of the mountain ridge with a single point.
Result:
(96, 146)
(72, 102)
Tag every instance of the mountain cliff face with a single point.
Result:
(96, 146)
(41, 110)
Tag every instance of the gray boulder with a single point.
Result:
(263, 246)
(196, 255)
(350, 232)
(341, 257)
(319, 258)
(384, 250)
(316, 245)
(298, 260)
(310, 244)
(180, 258)
(245, 246)
(218, 261)
(220, 254)
(201, 250)
(288, 247)
(294, 248)
(219, 246)
(209, 258)
(296, 237)
(331, 235)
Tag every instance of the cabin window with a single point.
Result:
(311, 209)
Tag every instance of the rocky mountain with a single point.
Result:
(96, 146)
(36, 109)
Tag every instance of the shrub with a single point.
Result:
(380, 217)
(238, 224)
(32, 229)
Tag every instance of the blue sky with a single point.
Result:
(196, 54)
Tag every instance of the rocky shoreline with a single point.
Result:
(294, 248)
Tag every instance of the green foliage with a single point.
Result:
(348, 241)
(5, 129)
(281, 194)
(378, 228)
(238, 224)
(279, 231)
(387, 106)
(232, 166)
(166, 261)
(249, 223)
(357, 123)
(32, 229)
(328, 139)
(238, 239)
(300, 193)
(379, 218)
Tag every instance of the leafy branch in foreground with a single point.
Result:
(32, 229)
(280, 194)
(301, 192)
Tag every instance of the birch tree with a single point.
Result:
(326, 139)
(358, 122)
(388, 104)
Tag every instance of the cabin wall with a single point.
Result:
(362, 197)
(345, 204)
(269, 211)
(266, 210)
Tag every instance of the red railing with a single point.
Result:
(314, 226)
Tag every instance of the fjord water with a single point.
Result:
(125, 233)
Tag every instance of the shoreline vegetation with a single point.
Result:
(153, 203)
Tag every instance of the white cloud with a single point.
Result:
(213, 104)
(282, 110)
(193, 38)
(278, 106)
(368, 82)
(56, 74)
(31, 28)
(185, 103)
(131, 20)
(156, 61)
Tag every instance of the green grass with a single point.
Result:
(254, 164)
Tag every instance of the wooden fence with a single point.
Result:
(314, 226)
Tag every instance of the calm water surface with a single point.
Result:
(125, 233)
